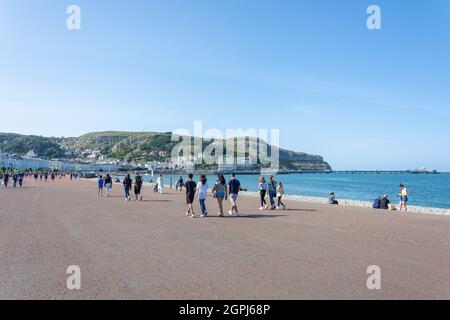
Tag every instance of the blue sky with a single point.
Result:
(362, 99)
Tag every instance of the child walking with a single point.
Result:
(280, 194)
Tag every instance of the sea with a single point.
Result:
(426, 190)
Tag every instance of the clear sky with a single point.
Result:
(363, 99)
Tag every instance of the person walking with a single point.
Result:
(234, 186)
(15, 177)
(272, 188)
(280, 195)
(137, 187)
(127, 183)
(191, 188)
(21, 177)
(108, 184)
(219, 192)
(180, 184)
(5, 179)
(160, 183)
(403, 197)
(100, 185)
(262, 188)
(202, 188)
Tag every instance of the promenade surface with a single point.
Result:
(151, 250)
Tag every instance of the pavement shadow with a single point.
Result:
(250, 216)
(303, 210)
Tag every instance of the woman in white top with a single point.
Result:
(280, 194)
(262, 188)
(160, 183)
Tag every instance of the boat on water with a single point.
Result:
(423, 170)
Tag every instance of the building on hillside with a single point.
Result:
(31, 154)
(239, 163)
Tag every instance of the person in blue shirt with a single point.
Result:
(234, 186)
(377, 203)
(101, 183)
(272, 189)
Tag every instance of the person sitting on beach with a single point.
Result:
(403, 197)
(384, 202)
(376, 203)
(332, 199)
(101, 183)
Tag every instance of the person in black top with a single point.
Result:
(384, 203)
(15, 178)
(137, 187)
(21, 177)
(127, 182)
(180, 184)
(5, 179)
(191, 187)
(108, 184)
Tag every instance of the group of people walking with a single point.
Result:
(17, 179)
(273, 190)
(221, 191)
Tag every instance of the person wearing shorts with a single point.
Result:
(234, 186)
(220, 192)
(137, 188)
(191, 188)
(101, 183)
(403, 197)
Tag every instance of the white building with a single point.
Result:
(31, 154)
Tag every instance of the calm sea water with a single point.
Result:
(426, 190)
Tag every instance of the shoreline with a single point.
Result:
(358, 203)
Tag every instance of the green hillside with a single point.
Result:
(20, 144)
(132, 146)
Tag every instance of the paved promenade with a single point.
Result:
(151, 250)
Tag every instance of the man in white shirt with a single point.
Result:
(160, 183)
(202, 188)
